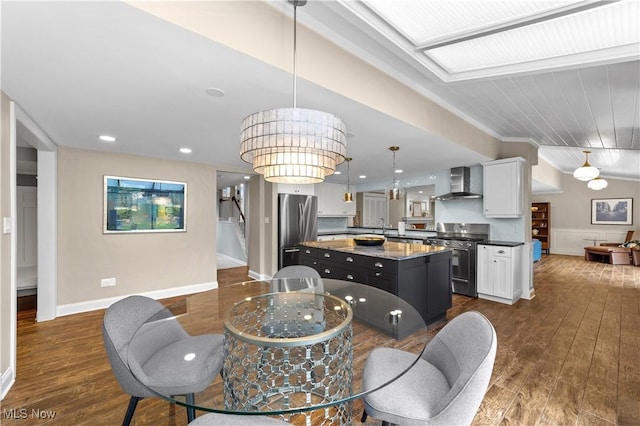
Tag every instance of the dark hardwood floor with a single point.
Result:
(570, 356)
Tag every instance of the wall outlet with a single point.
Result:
(108, 282)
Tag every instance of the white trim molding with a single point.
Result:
(8, 379)
(258, 276)
(93, 305)
(573, 241)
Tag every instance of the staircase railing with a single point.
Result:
(242, 223)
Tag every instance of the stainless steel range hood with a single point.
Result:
(460, 184)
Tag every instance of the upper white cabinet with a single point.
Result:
(503, 188)
(302, 189)
(331, 200)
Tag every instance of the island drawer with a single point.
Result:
(309, 251)
(340, 272)
(376, 264)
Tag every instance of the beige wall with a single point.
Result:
(547, 174)
(140, 262)
(571, 209)
(263, 228)
(5, 239)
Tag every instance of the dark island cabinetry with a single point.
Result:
(424, 281)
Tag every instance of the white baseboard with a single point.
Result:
(257, 276)
(92, 305)
(568, 252)
(8, 379)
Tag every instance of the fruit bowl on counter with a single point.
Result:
(369, 240)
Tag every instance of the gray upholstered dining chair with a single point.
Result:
(157, 354)
(445, 387)
(296, 271)
(217, 419)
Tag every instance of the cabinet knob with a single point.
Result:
(378, 265)
(350, 277)
(327, 271)
(501, 251)
(307, 251)
(378, 274)
(349, 259)
(327, 255)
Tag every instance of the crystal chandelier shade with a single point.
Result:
(293, 145)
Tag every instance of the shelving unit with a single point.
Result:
(541, 224)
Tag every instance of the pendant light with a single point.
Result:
(293, 145)
(597, 184)
(348, 196)
(586, 172)
(395, 191)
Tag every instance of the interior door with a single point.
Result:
(27, 236)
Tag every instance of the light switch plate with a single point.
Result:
(6, 225)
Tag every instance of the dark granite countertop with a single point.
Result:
(389, 250)
(503, 243)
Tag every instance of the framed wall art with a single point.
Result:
(612, 211)
(143, 205)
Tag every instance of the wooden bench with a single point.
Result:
(614, 255)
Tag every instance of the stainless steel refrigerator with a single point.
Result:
(297, 221)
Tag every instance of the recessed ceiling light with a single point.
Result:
(362, 176)
(107, 138)
(247, 177)
(215, 92)
(398, 170)
(337, 172)
(185, 150)
(420, 192)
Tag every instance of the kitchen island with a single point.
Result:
(417, 273)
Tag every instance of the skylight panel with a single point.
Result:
(612, 26)
(422, 21)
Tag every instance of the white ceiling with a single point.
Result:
(81, 69)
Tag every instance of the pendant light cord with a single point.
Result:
(394, 169)
(295, 21)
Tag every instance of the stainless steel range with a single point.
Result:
(462, 239)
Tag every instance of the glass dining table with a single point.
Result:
(294, 348)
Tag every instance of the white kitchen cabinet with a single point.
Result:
(331, 200)
(302, 189)
(499, 273)
(503, 186)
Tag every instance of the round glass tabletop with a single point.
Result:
(286, 346)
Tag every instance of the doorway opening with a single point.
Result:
(232, 222)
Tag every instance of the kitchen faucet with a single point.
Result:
(382, 223)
